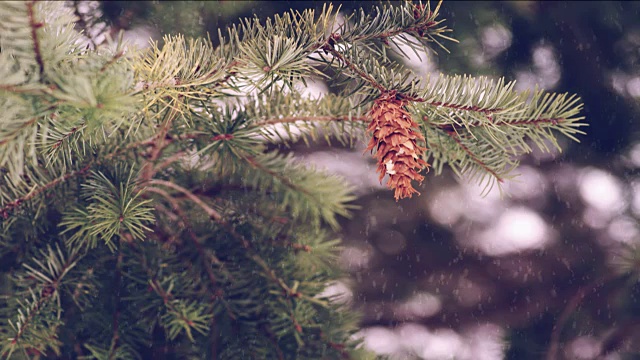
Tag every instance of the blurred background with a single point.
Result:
(547, 270)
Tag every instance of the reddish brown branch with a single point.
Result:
(29, 318)
(65, 137)
(34, 35)
(205, 257)
(459, 107)
(535, 122)
(292, 119)
(213, 214)
(22, 127)
(552, 121)
(252, 161)
(230, 73)
(159, 143)
(115, 58)
(30, 91)
(4, 212)
(47, 292)
(169, 160)
(331, 49)
(473, 156)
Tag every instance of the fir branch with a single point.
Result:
(474, 157)
(47, 276)
(293, 119)
(10, 206)
(169, 160)
(517, 122)
(354, 68)
(29, 89)
(176, 309)
(473, 108)
(111, 61)
(212, 213)
(35, 26)
(394, 23)
(32, 311)
(203, 255)
(159, 144)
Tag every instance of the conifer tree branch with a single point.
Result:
(49, 277)
(38, 189)
(212, 213)
(111, 61)
(474, 157)
(182, 218)
(293, 119)
(169, 160)
(255, 164)
(237, 220)
(354, 68)
(29, 90)
(449, 105)
(35, 26)
(206, 260)
(518, 122)
(159, 144)
(10, 206)
(27, 322)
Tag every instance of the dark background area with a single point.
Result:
(447, 274)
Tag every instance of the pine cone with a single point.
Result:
(394, 138)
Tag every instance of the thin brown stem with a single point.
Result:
(112, 61)
(473, 157)
(206, 257)
(30, 90)
(35, 25)
(4, 211)
(519, 122)
(473, 108)
(20, 128)
(213, 214)
(169, 160)
(46, 294)
(361, 73)
(158, 145)
(292, 119)
(283, 179)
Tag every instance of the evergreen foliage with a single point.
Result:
(143, 210)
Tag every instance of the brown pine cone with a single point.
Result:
(395, 139)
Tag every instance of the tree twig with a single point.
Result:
(34, 35)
